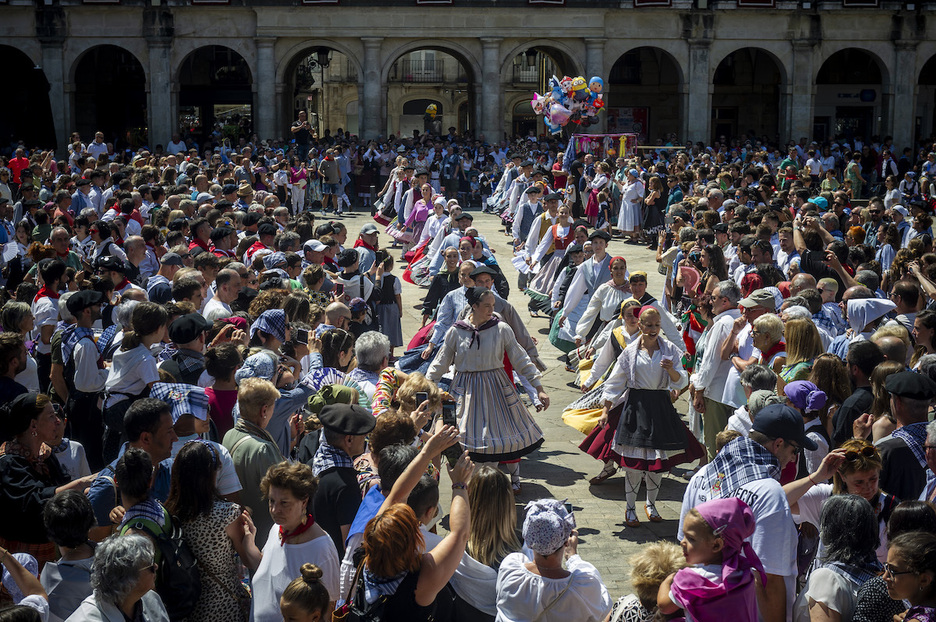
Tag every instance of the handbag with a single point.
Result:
(341, 613)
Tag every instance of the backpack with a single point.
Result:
(178, 580)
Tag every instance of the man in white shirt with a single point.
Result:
(176, 145)
(46, 313)
(219, 307)
(98, 148)
(749, 469)
(709, 382)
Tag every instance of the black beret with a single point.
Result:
(553, 196)
(79, 301)
(347, 257)
(599, 234)
(220, 233)
(681, 214)
(32, 203)
(229, 189)
(251, 218)
(224, 204)
(113, 263)
(910, 384)
(187, 328)
(83, 182)
(483, 270)
(575, 248)
(177, 224)
(532, 190)
(465, 215)
(526, 163)
(267, 228)
(720, 227)
(349, 419)
(422, 171)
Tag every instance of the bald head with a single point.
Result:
(802, 281)
(335, 312)
(894, 348)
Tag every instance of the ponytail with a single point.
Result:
(147, 318)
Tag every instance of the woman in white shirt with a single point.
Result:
(542, 589)
(17, 317)
(632, 192)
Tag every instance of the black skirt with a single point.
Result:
(649, 420)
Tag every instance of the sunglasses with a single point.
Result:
(866, 452)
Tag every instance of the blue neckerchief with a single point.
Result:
(366, 511)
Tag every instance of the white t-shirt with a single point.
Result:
(131, 372)
(809, 509)
(29, 377)
(216, 310)
(830, 588)
(281, 564)
(774, 539)
(227, 480)
(740, 421)
(46, 312)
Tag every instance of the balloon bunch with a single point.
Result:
(571, 100)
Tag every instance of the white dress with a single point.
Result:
(629, 216)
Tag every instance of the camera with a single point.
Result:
(381, 256)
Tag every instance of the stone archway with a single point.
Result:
(110, 96)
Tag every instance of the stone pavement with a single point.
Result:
(558, 469)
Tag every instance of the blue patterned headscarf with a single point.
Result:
(272, 322)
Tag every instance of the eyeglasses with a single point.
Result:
(889, 569)
(867, 452)
(152, 567)
(796, 448)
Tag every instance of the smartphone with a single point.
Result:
(302, 336)
(448, 414)
(339, 289)
(453, 453)
(421, 396)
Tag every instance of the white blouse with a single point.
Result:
(467, 357)
(647, 375)
(604, 306)
(522, 595)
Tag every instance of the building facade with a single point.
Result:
(696, 70)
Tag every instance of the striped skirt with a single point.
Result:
(494, 424)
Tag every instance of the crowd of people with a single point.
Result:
(209, 411)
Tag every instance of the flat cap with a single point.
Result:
(113, 263)
(172, 259)
(220, 233)
(267, 228)
(347, 257)
(599, 234)
(760, 298)
(483, 270)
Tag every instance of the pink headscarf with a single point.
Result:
(732, 520)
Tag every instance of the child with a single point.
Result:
(718, 584)
(306, 597)
(604, 211)
(830, 183)
(221, 362)
(911, 560)
(474, 197)
(390, 306)
(649, 568)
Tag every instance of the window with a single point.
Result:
(552, 2)
(642, 3)
(756, 4)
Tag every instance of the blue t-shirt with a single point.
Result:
(103, 491)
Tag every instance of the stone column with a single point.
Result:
(53, 67)
(372, 119)
(265, 114)
(161, 122)
(492, 108)
(698, 112)
(800, 110)
(903, 104)
(594, 66)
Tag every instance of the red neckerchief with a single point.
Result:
(63, 255)
(118, 241)
(360, 242)
(45, 292)
(122, 284)
(220, 252)
(301, 529)
(256, 246)
(780, 346)
(199, 242)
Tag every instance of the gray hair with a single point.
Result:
(869, 279)
(117, 565)
(287, 239)
(370, 349)
(931, 428)
(12, 315)
(688, 234)
(759, 378)
(124, 311)
(730, 290)
(927, 366)
(88, 212)
(67, 316)
(848, 528)
(797, 312)
(237, 266)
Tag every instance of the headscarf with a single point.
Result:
(259, 365)
(547, 526)
(733, 521)
(750, 282)
(272, 322)
(805, 395)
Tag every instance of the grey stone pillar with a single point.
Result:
(594, 66)
(698, 112)
(903, 105)
(801, 93)
(492, 108)
(161, 122)
(265, 114)
(372, 119)
(54, 69)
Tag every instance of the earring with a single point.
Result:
(34, 433)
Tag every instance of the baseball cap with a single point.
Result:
(782, 421)
(759, 297)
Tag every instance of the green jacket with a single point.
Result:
(254, 451)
